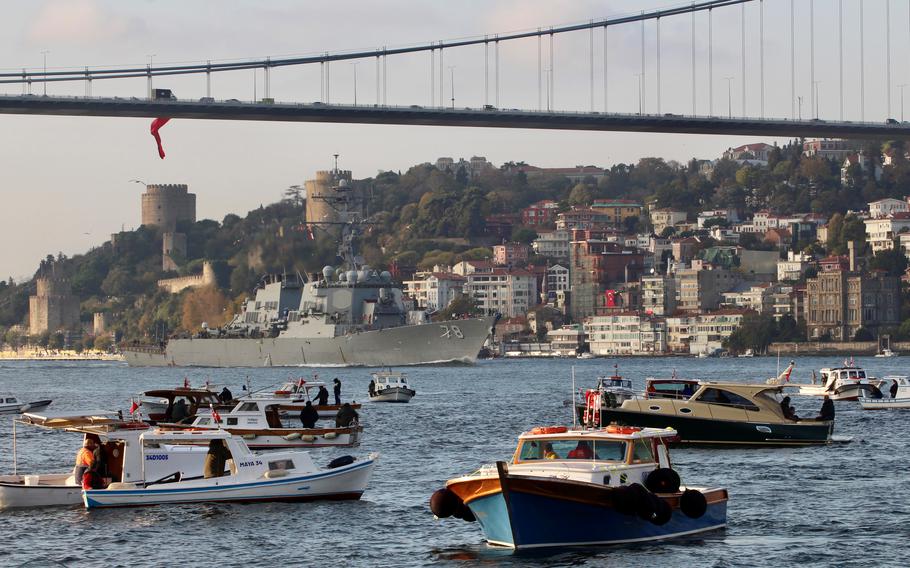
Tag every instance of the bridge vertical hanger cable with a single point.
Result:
(840, 48)
(812, 57)
(761, 51)
(792, 62)
(591, 62)
(486, 73)
(377, 80)
(710, 62)
(888, 56)
(267, 78)
(761, 56)
(606, 69)
(322, 81)
(862, 65)
(643, 65)
(88, 83)
(432, 77)
(385, 78)
(328, 82)
(694, 109)
(658, 65)
(496, 70)
(539, 72)
(442, 80)
(551, 89)
(208, 80)
(742, 54)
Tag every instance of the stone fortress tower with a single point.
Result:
(164, 205)
(53, 307)
(320, 193)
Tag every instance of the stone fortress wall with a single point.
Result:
(53, 306)
(175, 285)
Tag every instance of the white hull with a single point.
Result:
(884, 403)
(347, 482)
(20, 408)
(50, 490)
(394, 394)
(849, 392)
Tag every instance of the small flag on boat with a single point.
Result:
(134, 406)
(300, 382)
(156, 126)
(215, 416)
(186, 383)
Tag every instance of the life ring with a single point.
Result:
(549, 430)
(617, 429)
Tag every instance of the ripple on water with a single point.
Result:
(844, 505)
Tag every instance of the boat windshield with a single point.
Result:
(726, 398)
(572, 449)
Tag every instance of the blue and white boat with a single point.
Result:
(249, 477)
(583, 487)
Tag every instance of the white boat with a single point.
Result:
(747, 353)
(279, 476)
(391, 387)
(117, 438)
(886, 352)
(840, 383)
(900, 387)
(259, 423)
(10, 404)
(585, 355)
(293, 396)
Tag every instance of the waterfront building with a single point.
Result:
(436, 290)
(596, 266)
(708, 331)
(750, 296)
(663, 218)
(508, 292)
(567, 340)
(626, 333)
(885, 207)
(552, 244)
(509, 254)
(881, 232)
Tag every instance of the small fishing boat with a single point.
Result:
(720, 413)
(613, 390)
(116, 437)
(899, 391)
(159, 405)
(279, 476)
(848, 382)
(293, 396)
(390, 387)
(260, 424)
(585, 355)
(583, 487)
(747, 353)
(10, 404)
(886, 352)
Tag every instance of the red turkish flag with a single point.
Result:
(611, 298)
(133, 407)
(156, 125)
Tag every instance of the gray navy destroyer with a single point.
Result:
(351, 315)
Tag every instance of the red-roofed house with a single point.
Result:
(757, 151)
(540, 213)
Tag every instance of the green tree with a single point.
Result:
(893, 261)
(463, 304)
(523, 235)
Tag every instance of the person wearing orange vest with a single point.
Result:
(85, 459)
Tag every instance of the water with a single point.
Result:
(844, 505)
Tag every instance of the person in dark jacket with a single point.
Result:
(893, 389)
(789, 412)
(337, 390)
(216, 459)
(180, 411)
(322, 399)
(309, 415)
(372, 388)
(226, 395)
(827, 411)
(346, 416)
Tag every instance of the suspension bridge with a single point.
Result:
(438, 106)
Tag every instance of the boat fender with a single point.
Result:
(663, 512)
(249, 436)
(341, 461)
(662, 480)
(644, 501)
(464, 513)
(624, 500)
(272, 474)
(330, 435)
(444, 503)
(693, 503)
(292, 436)
(308, 438)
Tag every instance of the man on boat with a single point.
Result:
(309, 415)
(226, 395)
(372, 388)
(337, 390)
(581, 452)
(893, 389)
(85, 459)
(216, 459)
(322, 399)
(789, 412)
(827, 411)
(346, 416)
(180, 411)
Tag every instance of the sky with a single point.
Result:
(65, 181)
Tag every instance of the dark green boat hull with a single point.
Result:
(726, 432)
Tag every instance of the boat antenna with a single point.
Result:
(574, 410)
(15, 461)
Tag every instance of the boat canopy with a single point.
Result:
(185, 436)
(607, 433)
(71, 419)
(189, 393)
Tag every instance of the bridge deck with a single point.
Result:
(436, 116)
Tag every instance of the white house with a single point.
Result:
(627, 333)
(884, 207)
(880, 233)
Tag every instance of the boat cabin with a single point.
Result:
(840, 375)
(614, 382)
(719, 401)
(390, 380)
(670, 388)
(246, 414)
(609, 449)
(194, 400)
